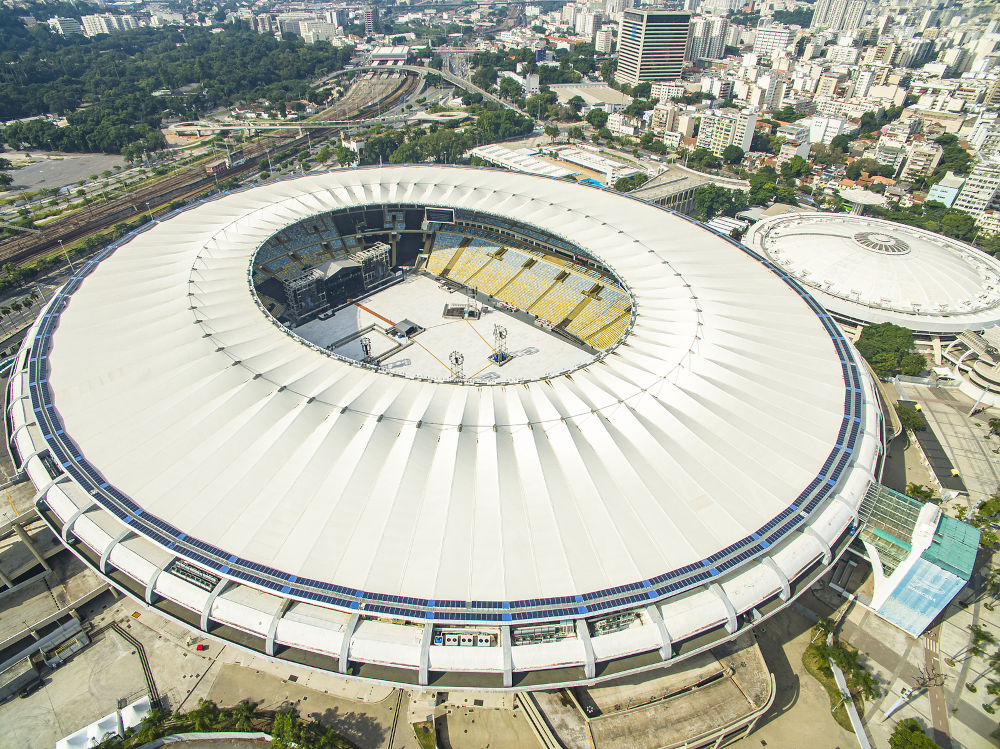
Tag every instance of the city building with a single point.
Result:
(65, 26)
(336, 16)
(370, 18)
(981, 189)
(838, 15)
(588, 22)
(603, 41)
(791, 148)
(824, 129)
(106, 24)
(772, 38)
(316, 31)
(620, 123)
(652, 45)
(921, 159)
(665, 91)
(947, 189)
(422, 526)
(726, 127)
(708, 37)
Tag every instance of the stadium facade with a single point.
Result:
(703, 467)
(866, 270)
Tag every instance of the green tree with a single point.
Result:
(884, 345)
(642, 90)
(510, 89)
(958, 224)
(575, 133)
(712, 200)
(576, 103)
(732, 154)
(912, 364)
(841, 142)
(552, 131)
(597, 118)
(911, 418)
(919, 492)
(909, 735)
(244, 715)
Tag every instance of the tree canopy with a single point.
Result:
(909, 735)
(105, 85)
(888, 348)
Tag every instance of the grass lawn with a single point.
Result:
(425, 734)
(818, 668)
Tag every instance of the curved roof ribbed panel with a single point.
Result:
(713, 416)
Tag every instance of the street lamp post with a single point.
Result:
(64, 252)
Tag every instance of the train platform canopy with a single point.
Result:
(390, 54)
(921, 558)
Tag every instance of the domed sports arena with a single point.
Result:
(866, 270)
(445, 427)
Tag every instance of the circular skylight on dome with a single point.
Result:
(877, 241)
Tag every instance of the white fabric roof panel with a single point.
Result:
(716, 412)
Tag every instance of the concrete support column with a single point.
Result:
(786, 590)
(667, 649)
(68, 526)
(508, 660)
(29, 456)
(731, 625)
(590, 663)
(110, 547)
(345, 646)
(423, 676)
(151, 585)
(6, 580)
(272, 630)
(26, 540)
(936, 343)
(207, 608)
(827, 553)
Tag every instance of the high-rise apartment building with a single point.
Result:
(65, 26)
(708, 37)
(772, 37)
(602, 41)
(370, 16)
(652, 45)
(920, 161)
(726, 127)
(587, 22)
(337, 16)
(981, 189)
(838, 15)
(107, 24)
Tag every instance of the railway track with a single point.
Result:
(181, 185)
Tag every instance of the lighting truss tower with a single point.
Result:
(457, 361)
(366, 348)
(500, 343)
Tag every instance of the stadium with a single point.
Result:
(865, 270)
(445, 427)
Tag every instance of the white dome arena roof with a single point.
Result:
(877, 271)
(731, 414)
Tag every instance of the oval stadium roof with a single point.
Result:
(729, 413)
